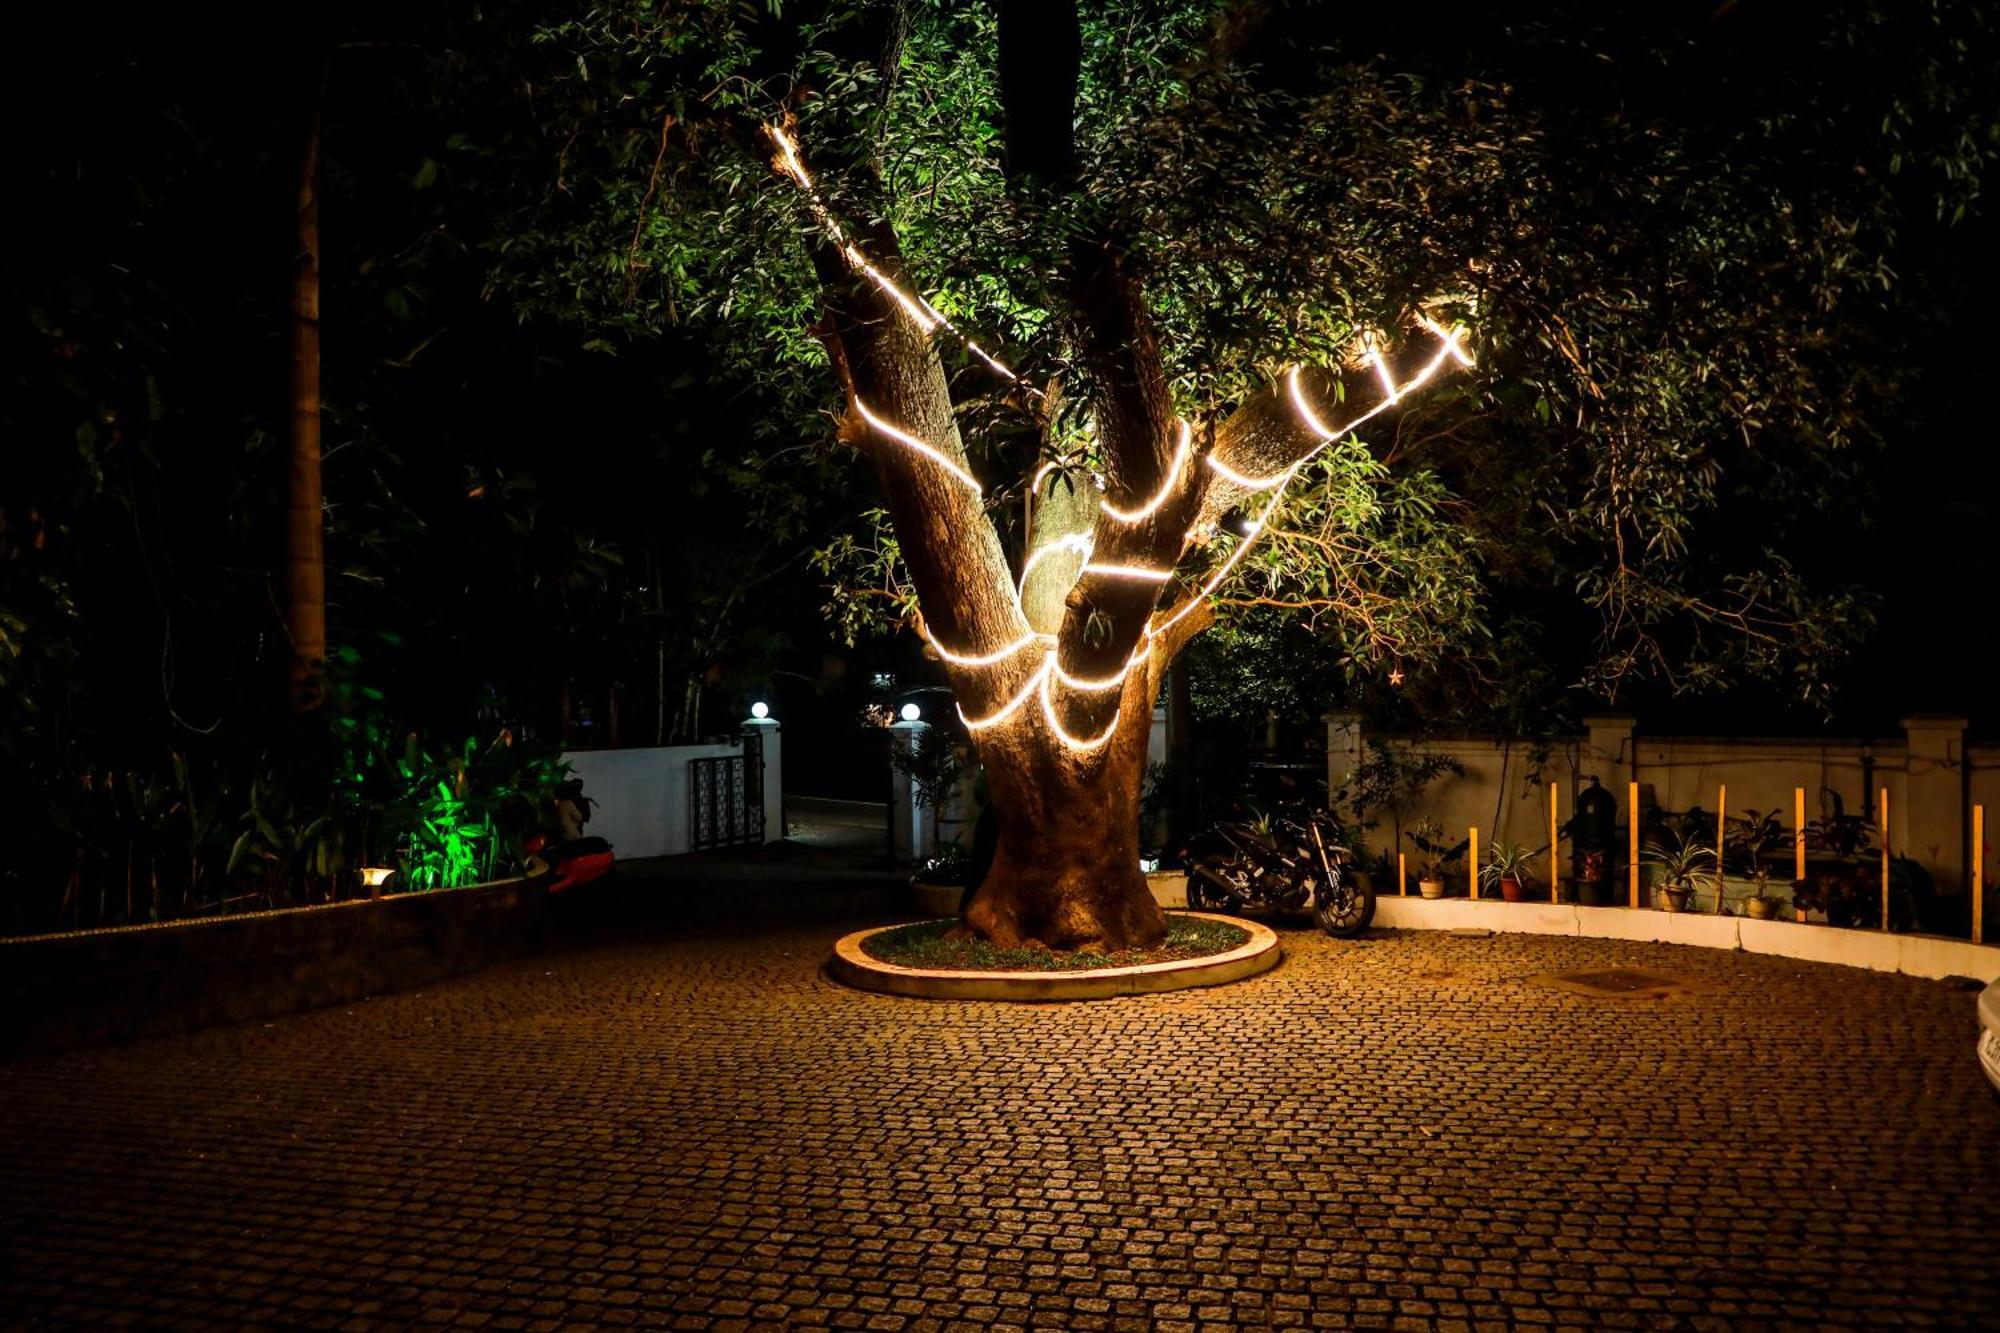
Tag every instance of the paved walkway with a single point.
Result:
(675, 1119)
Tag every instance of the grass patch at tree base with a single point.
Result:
(927, 945)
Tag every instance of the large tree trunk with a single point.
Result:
(305, 549)
(1056, 677)
(1066, 870)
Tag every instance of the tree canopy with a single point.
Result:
(1674, 233)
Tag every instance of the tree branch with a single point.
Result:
(1041, 50)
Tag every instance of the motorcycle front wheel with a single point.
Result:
(1343, 909)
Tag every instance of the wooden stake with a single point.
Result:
(1555, 873)
(1402, 875)
(1721, 824)
(1632, 794)
(1472, 860)
(1978, 874)
(1885, 858)
(1798, 833)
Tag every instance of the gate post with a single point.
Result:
(766, 729)
(908, 821)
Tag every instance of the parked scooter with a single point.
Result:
(1279, 863)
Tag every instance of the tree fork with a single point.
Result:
(1064, 760)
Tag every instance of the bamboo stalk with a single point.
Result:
(1632, 795)
(1885, 858)
(1402, 875)
(1555, 875)
(1472, 859)
(1978, 874)
(1798, 833)
(1721, 824)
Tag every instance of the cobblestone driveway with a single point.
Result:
(682, 1122)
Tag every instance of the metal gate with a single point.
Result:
(726, 797)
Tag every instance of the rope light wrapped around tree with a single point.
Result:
(1061, 730)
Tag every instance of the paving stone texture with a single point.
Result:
(673, 1119)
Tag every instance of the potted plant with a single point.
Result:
(1843, 878)
(1753, 836)
(1385, 786)
(934, 763)
(1507, 869)
(1436, 856)
(1762, 903)
(1684, 867)
(940, 883)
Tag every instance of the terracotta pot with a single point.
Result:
(1512, 890)
(1760, 908)
(1672, 900)
(1431, 888)
(936, 900)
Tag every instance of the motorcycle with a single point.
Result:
(1281, 863)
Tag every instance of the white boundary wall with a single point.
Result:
(1914, 955)
(1932, 774)
(641, 795)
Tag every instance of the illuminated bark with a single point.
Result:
(1056, 679)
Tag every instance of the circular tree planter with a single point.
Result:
(852, 964)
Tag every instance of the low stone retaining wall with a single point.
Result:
(88, 987)
(1915, 955)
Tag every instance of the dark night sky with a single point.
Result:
(84, 82)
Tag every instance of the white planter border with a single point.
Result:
(1929, 956)
(851, 965)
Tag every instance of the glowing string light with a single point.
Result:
(1382, 371)
(918, 310)
(985, 659)
(1079, 543)
(1451, 337)
(1152, 506)
(1100, 683)
(1011, 707)
(1246, 482)
(910, 441)
(1062, 734)
(793, 164)
(922, 313)
(1140, 573)
(998, 366)
(928, 318)
(1051, 671)
(1261, 523)
(1304, 409)
(1326, 434)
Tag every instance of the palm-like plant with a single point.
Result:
(1505, 861)
(1685, 865)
